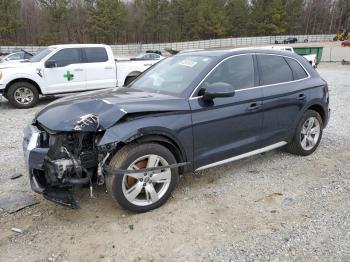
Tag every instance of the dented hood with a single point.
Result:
(99, 110)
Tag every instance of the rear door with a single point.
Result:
(100, 72)
(285, 88)
(227, 127)
(69, 75)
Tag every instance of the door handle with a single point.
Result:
(301, 97)
(78, 69)
(254, 106)
(108, 67)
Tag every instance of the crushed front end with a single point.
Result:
(57, 162)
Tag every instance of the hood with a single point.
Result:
(5, 65)
(99, 110)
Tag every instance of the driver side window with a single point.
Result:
(67, 56)
(237, 71)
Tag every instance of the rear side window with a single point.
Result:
(237, 71)
(67, 56)
(96, 54)
(274, 70)
(298, 70)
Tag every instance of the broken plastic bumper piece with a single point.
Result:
(62, 197)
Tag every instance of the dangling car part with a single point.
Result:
(189, 112)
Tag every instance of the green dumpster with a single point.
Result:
(310, 50)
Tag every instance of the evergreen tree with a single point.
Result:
(237, 13)
(179, 9)
(267, 17)
(57, 12)
(156, 19)
(275, 18)
(44, 22)
(198, 19)
(9, 17)
(293, 10)
(191, 26)
(106, 21)
(212, 19)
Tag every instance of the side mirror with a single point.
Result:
(219, 89)
(50, 64)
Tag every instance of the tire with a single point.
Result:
(118, 185)
(30, 95)
(300, 144)
(129, 79)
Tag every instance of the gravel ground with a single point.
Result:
(270, 207)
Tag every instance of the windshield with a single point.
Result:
(42, 54)
(172, 75)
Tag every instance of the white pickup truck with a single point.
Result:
(66, 69)
(312, 58)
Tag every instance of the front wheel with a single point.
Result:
(22, 95)
(142, 191)
(307, 135)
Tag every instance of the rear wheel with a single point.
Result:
(22, 95)
(129, 79)
(142, 191)
(307, 135)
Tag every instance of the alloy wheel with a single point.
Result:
(310, 133)
(23, 95)
(146, 188)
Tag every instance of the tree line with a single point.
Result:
(43, 22)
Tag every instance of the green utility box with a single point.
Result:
(310, 50)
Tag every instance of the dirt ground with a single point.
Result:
(270, 207)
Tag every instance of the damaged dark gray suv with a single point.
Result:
(188, 112)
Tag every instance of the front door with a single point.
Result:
(69, 75)
(227, 127)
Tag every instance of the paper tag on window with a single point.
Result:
(188, 63)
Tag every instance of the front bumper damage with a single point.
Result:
(49, 176)
(55, 174)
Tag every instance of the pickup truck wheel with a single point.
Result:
(308, 134)
(144, 191)
(23, 95)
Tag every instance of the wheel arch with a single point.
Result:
(134, 73)
(319, 109)
(162, 139)
(23, 79)
(316, 106)
(167, 142)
